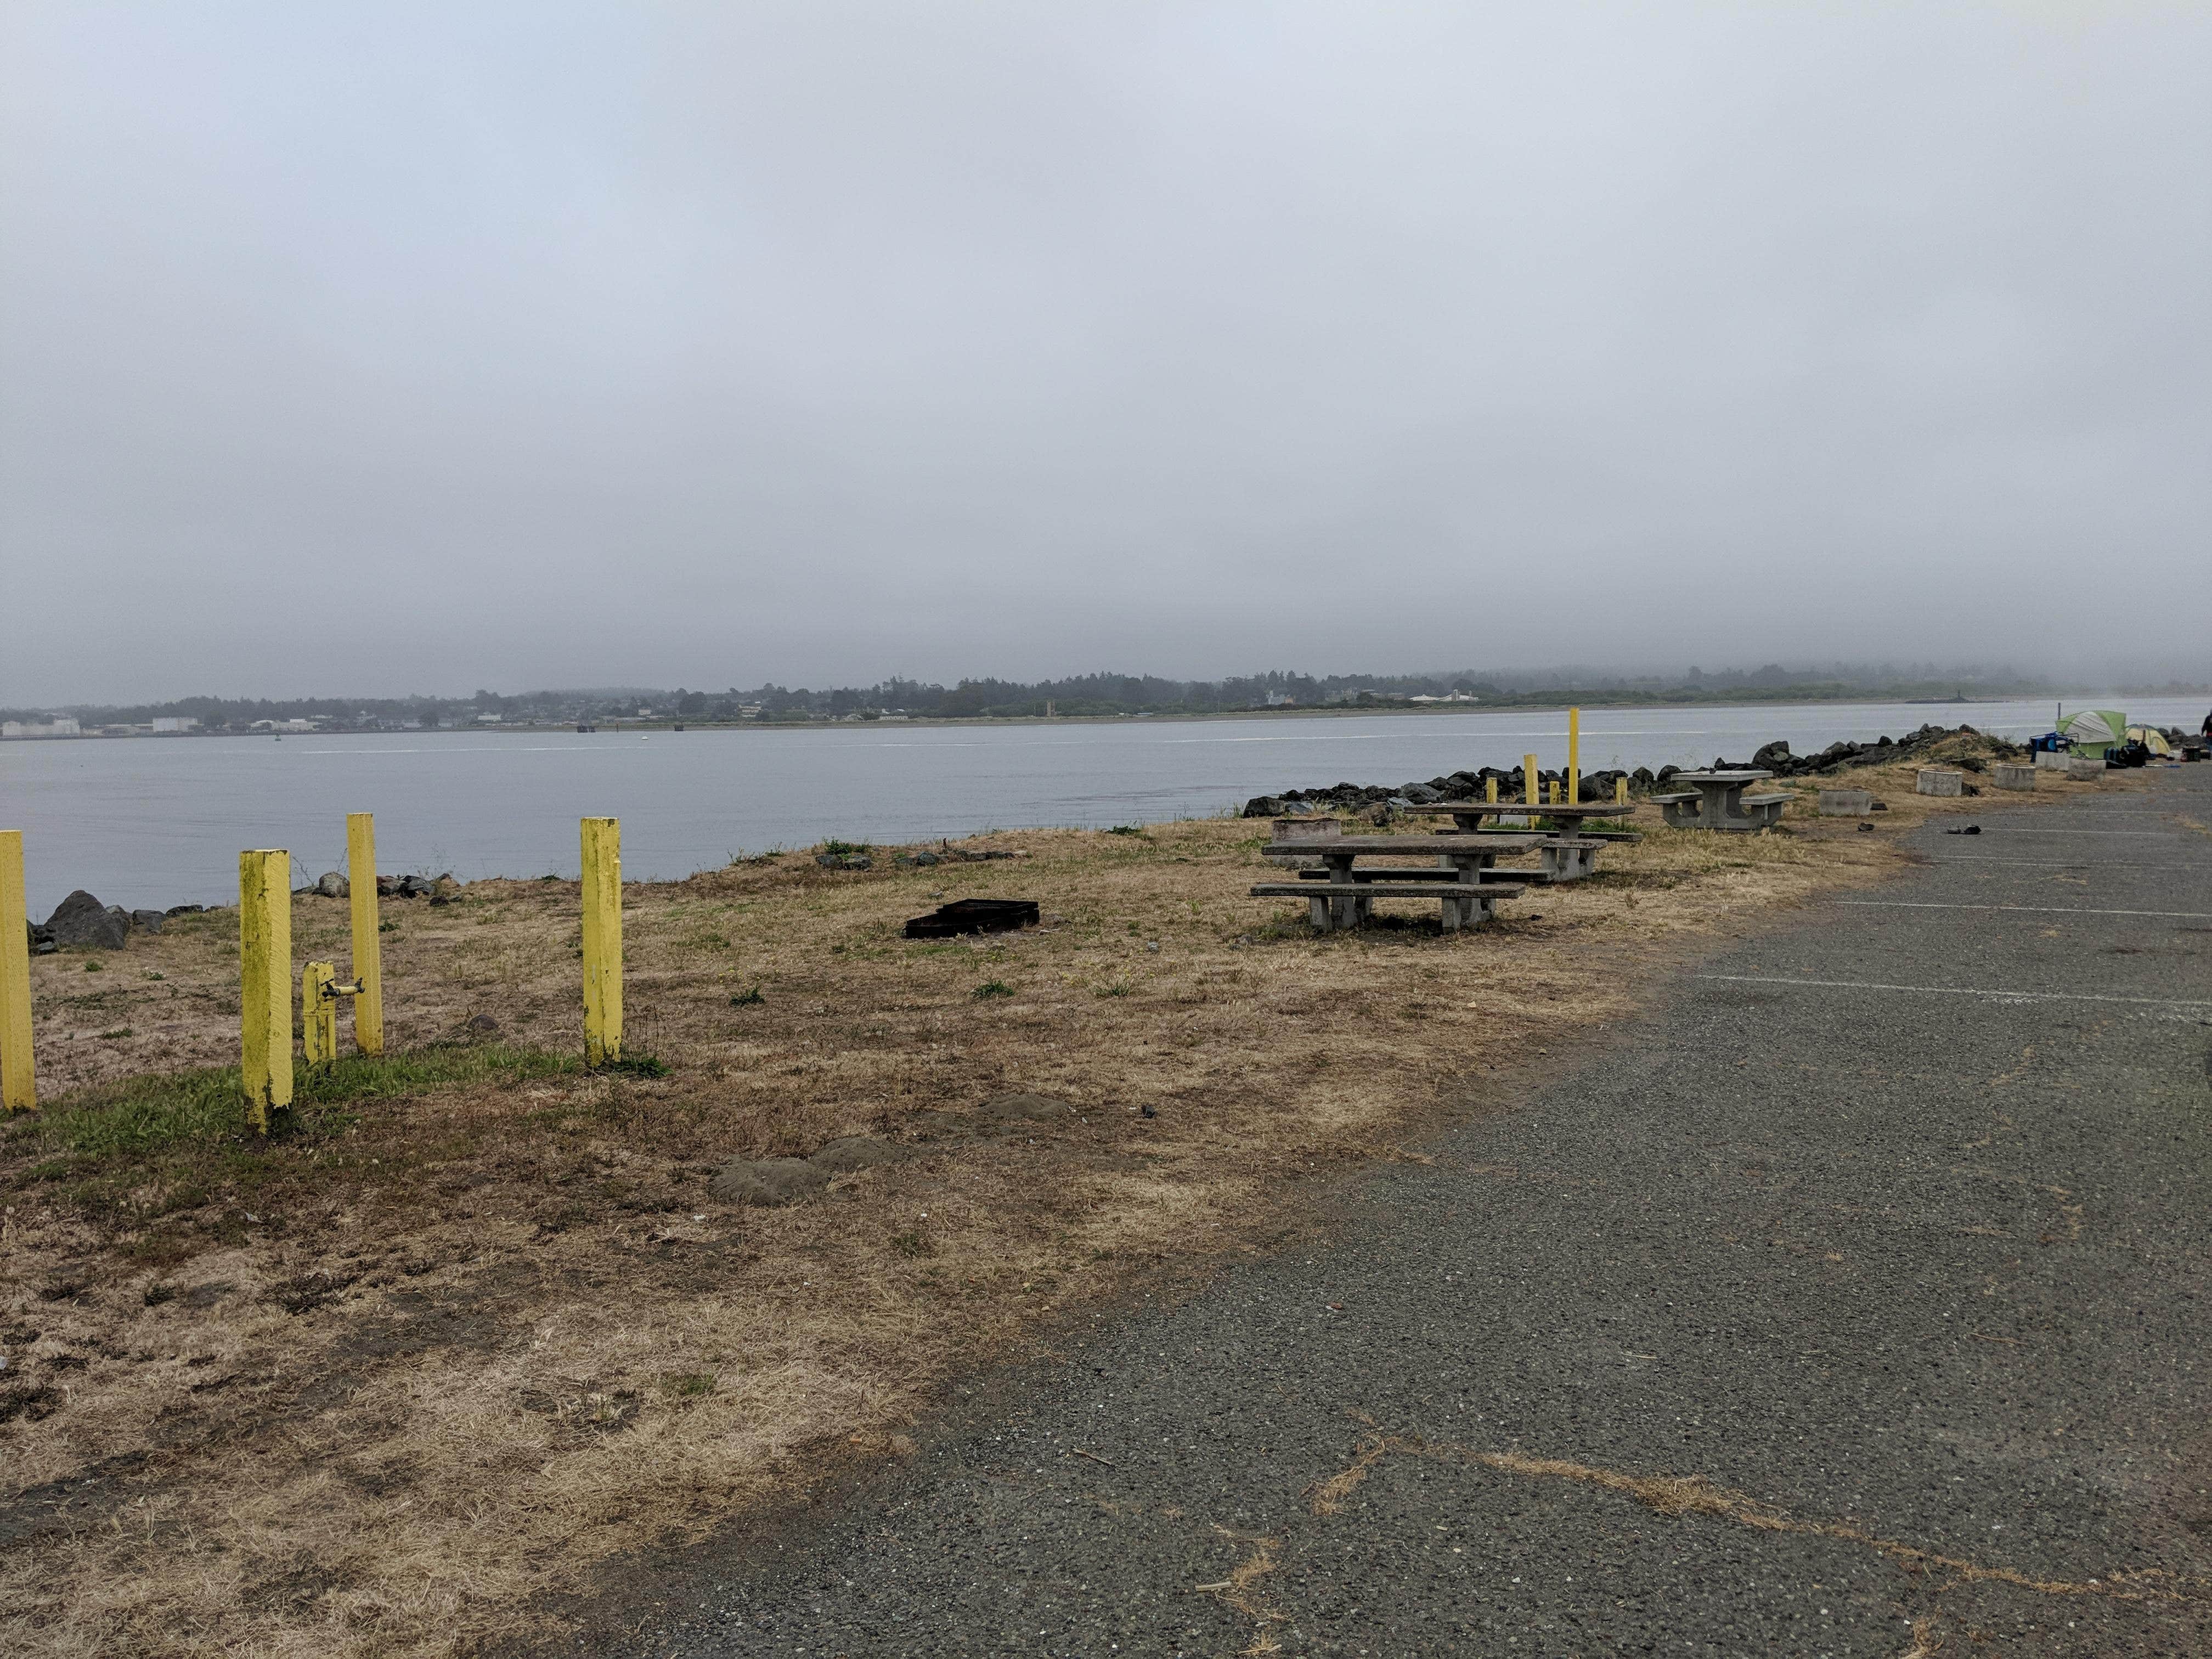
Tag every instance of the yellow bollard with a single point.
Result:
(367, 951)
(602, 944)
(1490, 791)
(1574, 790)
(19, 1083)
(1528, 792)
(1558, 795)
(264, 974)
(319, 1013)
(1620, 792)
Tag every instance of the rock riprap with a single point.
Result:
(1775, 757)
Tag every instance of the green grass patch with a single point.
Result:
(131, 1152)
(637, 1066)
(992, 988)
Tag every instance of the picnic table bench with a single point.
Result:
(1342, 894)
(1716, 800)
(1568, 853)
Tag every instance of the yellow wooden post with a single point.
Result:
(367, 951)
(603, 946)
(319, 1013)
(1490, 791)
(1574, 781)
(1528, 791)
(1620, 792)
(264, 974)
(18, 1087)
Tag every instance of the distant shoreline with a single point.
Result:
(1337, 711)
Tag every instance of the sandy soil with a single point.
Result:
(396, 1385)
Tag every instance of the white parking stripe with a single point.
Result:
(2040, 909)
(2009, 830)
(1952, 991)
(2071, 864)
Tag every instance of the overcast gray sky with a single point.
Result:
(378, 348)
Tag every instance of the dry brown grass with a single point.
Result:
(1679, 1495)
(528, 1343)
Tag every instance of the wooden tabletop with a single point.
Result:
(1411, 846)
(1474, 808)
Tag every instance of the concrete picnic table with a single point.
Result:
(1717, 801)
(1569, 853)
(1344, 895)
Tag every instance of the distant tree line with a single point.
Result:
(1082, 695)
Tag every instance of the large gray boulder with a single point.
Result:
(1775, 757)
(82, 922)
(332, 884)
(148, 921)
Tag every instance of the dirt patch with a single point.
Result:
(396, 1382)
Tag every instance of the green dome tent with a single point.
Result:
(2094, 731)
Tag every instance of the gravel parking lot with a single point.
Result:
(1854, 1302)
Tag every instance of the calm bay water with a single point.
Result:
(157, 822)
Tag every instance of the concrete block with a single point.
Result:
(1846, 803)
(2052, 760)
(2085, 768)
(2014, 777)
(1935, 781)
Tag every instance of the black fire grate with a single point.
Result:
(974, 916)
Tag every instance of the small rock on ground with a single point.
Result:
(1023, 1109)
(851, 1153)
(767, 1182)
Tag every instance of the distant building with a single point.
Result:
(54, 726)
(174, 723)
(487, 720)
